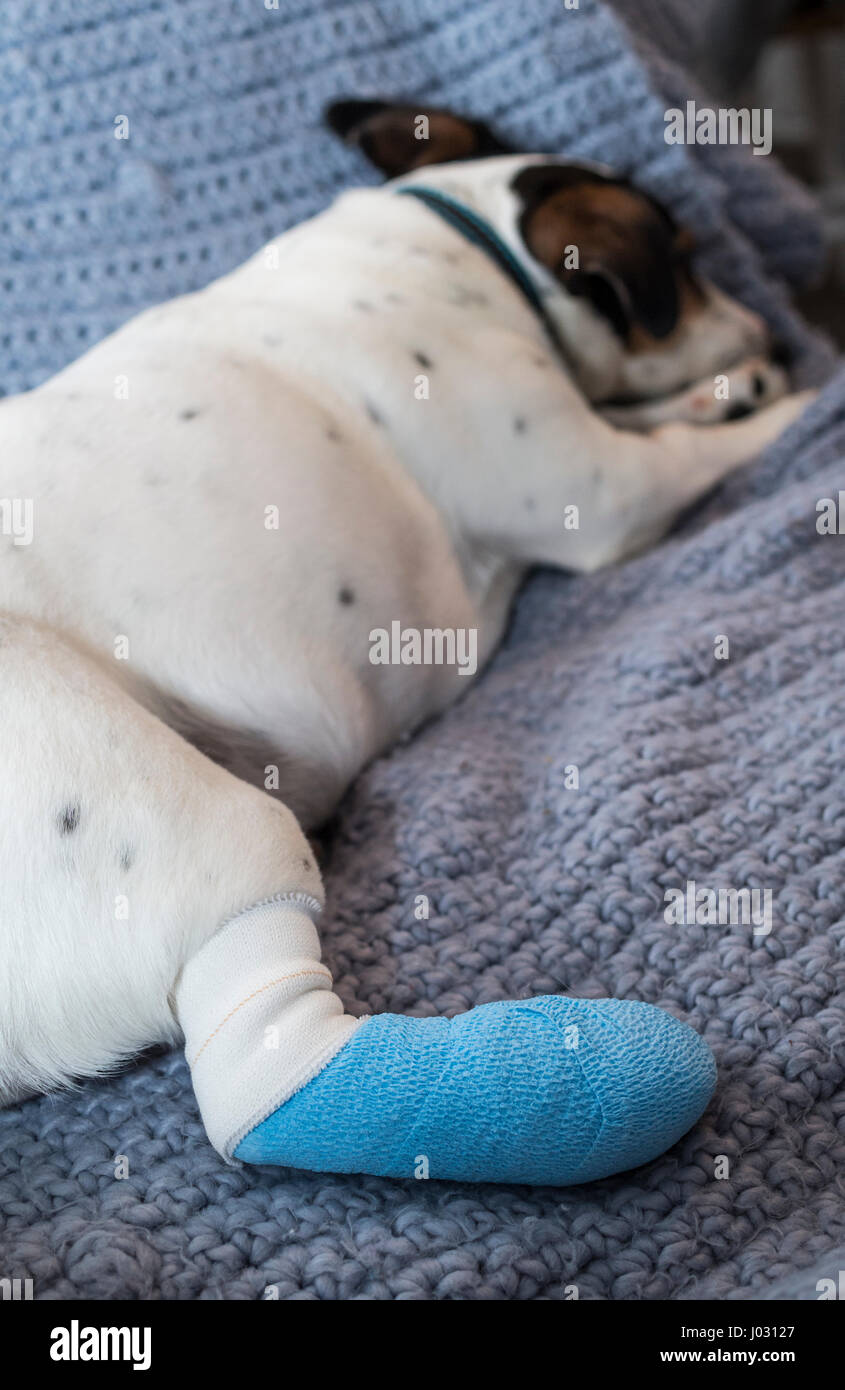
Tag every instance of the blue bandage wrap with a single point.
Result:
(542, 1091)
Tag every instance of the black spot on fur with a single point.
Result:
(758, 386)
(334, 434)
(423, 360)
(346, 596)
(68, 819)
(374, 415)
(739, 411)
(363, 304)
(306, 864)
(127, 858)
(520, 425)
(467, 299)
(393, 298)
(188, 414)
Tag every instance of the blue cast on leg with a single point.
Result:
(548, 1090)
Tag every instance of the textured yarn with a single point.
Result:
(726, 772)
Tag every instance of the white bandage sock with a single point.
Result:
(259, 1016)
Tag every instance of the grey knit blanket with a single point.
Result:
(725, 772)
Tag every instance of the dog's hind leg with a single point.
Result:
(146, 891)
(122, 849)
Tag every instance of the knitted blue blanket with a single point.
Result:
(725, 772)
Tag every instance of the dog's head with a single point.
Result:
(612, 266)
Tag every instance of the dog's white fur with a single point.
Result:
(290, 384)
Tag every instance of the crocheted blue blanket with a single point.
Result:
(726, 773)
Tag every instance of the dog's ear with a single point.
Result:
(606, 242)
(398, 138)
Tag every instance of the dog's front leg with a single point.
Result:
(743, 389)
(581, 494)
(662, 473)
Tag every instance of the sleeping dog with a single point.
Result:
(385, 417)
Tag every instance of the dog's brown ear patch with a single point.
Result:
(609, 243)
(398, 138)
